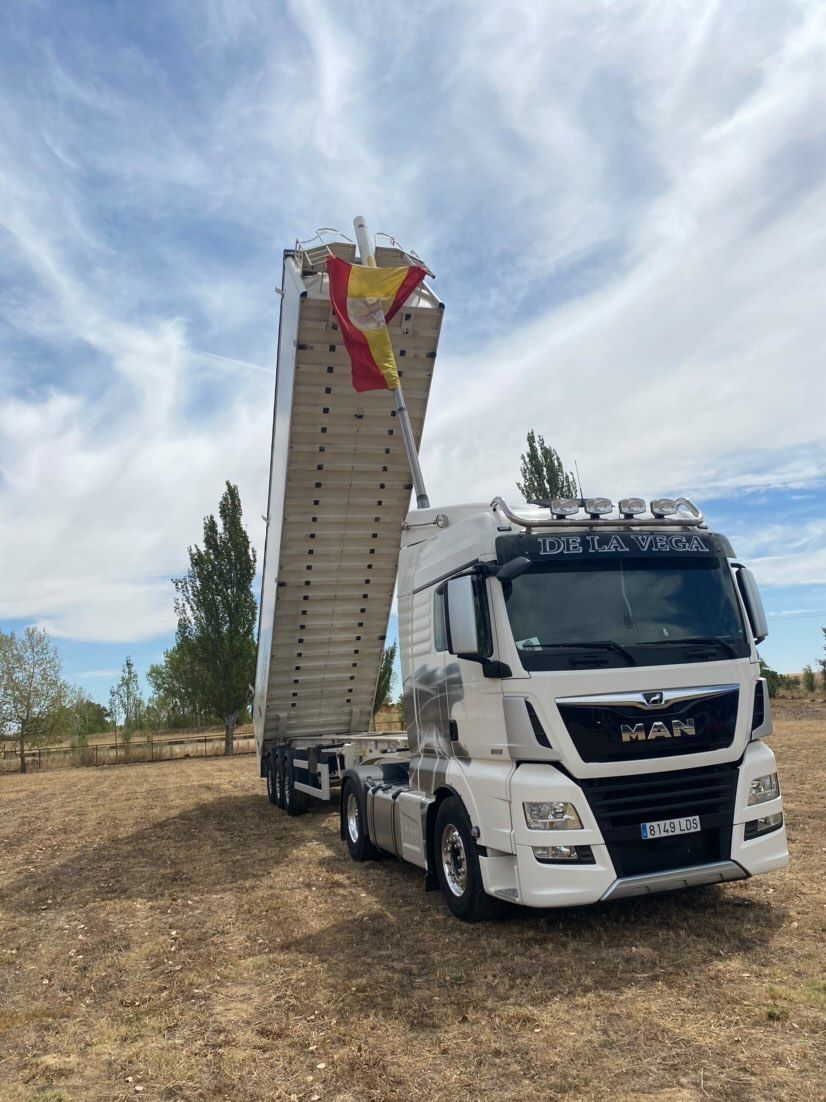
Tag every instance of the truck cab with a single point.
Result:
(586, 717)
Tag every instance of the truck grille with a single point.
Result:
(597, 729)
(621, 804)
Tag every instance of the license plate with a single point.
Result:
(665, 828)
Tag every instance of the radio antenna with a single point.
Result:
(579, 484)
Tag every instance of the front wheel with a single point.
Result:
(355, 828)
(457, 865)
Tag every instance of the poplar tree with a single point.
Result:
(385, 681)
(216, 614)
(543, 474)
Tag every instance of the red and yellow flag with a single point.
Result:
(364, 300)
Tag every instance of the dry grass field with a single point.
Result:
(166, 934)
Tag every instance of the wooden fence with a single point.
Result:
(208, 744)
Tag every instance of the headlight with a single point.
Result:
(763, 789)
(551, 816)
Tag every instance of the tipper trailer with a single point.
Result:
(585, 714)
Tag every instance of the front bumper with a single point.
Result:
(728, 856)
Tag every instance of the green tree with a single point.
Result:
(822, 663)
(82, 717)
(543, 475)
(126, 700)
(772, 677)
(32, 689)
(216, 614)
(808, 679)
(177, 688)
(385, 681)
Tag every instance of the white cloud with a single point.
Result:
(624, 205)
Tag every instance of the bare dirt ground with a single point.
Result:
(166, 934)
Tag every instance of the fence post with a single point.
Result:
(39, 758)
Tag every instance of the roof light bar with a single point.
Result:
(564, 507)
(680, 513)
(663, 507)
(598, 507)
(631, 507)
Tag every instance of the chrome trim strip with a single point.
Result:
(637, 699)
(649, 883)
(676, 521)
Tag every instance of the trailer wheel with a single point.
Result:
(457, 865)
(278, 778)
(355, 827)
(295, 803)
(272, 774)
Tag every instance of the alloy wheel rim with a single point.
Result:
(353, 826)
(454, 860)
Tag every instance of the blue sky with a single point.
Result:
(624, 204)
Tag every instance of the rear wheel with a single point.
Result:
(457, 865)
(272, 773)
(295, 803)
(355, 827)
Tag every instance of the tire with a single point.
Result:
(272, 770)
(278, 778)
(295, 803)
(354, 826)
(457, 865)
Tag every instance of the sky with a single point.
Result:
(624, 204)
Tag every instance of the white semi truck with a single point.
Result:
(585, 714)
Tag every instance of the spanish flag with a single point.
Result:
(365, 300)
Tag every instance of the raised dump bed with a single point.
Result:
(340, 487)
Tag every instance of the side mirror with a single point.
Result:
(754, 604)
(462, 629)
(513, 568)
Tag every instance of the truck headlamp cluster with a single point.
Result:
(551, 816)
(763, 789)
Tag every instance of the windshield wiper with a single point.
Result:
(693, 640)
(603, 644)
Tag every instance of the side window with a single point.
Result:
(439, 629)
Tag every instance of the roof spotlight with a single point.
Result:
(663, 507)
(631, 507)
(562, 507)
(598, 507)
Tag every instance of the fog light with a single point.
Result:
(564, 507)
(663, 507)
(583, 855)
(631, 507)
(763, 789)
(552, 816)
(763, 826)
(598, 507)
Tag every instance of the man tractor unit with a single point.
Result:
(585, 714)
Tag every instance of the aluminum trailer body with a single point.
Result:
(340, 487)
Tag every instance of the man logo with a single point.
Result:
(653, 700)
(658, 729)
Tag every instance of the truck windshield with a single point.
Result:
(625, 611)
